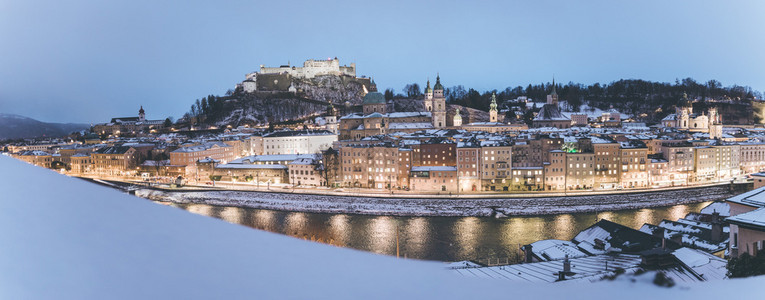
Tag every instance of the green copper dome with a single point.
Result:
(374, 98)
(427, 88)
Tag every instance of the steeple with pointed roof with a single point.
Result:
(552, 98)
(493, 108)
(554, 92)
(438, 85)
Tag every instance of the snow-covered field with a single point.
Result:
(63, 238)
(439, 206)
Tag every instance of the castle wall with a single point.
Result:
(273, 82)
(312, 68)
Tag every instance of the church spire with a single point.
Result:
(438, 85)
(553, 87)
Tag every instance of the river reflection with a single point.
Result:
(434, 238)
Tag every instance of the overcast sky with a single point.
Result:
(88, 61)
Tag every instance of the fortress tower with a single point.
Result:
(439, 104)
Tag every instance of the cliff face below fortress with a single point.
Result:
(274, 102)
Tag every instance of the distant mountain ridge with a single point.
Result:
(17, 127)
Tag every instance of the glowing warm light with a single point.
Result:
(466, 233)
(564, 225)
(232, 214)
(382, 235)
(340, 230)
(200, 209)
(417, 234)
(264, 219)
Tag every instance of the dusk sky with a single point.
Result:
(89, 61)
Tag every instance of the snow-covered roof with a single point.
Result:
(249, 166)
(202, 147)
(555, 250)
(752, 219)
(399, 126)
(408, 114)
(303, 161)
(753, 198)
(270, 158)
(433, 168)
(586, 269)
(721, 208)
(702, 264)
(670, 117)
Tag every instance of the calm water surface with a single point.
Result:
(434, 238)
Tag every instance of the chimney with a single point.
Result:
(566, 265)
(528, 254)
(658, 232)
(677, 238)
(600, 244)
(717, 228)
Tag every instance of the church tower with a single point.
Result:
(552, 98)
(683, 112)
(715, 124)
(428, 101)
(141, 115)
(457, 118)
(331, 119)
(493, 108)
(439, 104)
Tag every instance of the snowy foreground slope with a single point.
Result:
(63, 238)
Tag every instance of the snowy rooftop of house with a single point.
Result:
(249, 166)
(202, 147)
(154, 163)
(721, 208)
(555, 250)
(703, 264)
(270, 158)
(288, 133)
(433, 168)
(591, 268)
(399, 126)
(753, 198)
(755, 219)
(34, 153)
(303, 161)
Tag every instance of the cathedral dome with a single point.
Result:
(374, 98)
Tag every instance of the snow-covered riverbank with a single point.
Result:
(439, 206)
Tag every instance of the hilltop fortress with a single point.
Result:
(311, 68)
(282, 78)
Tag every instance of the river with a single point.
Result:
(434, 238)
